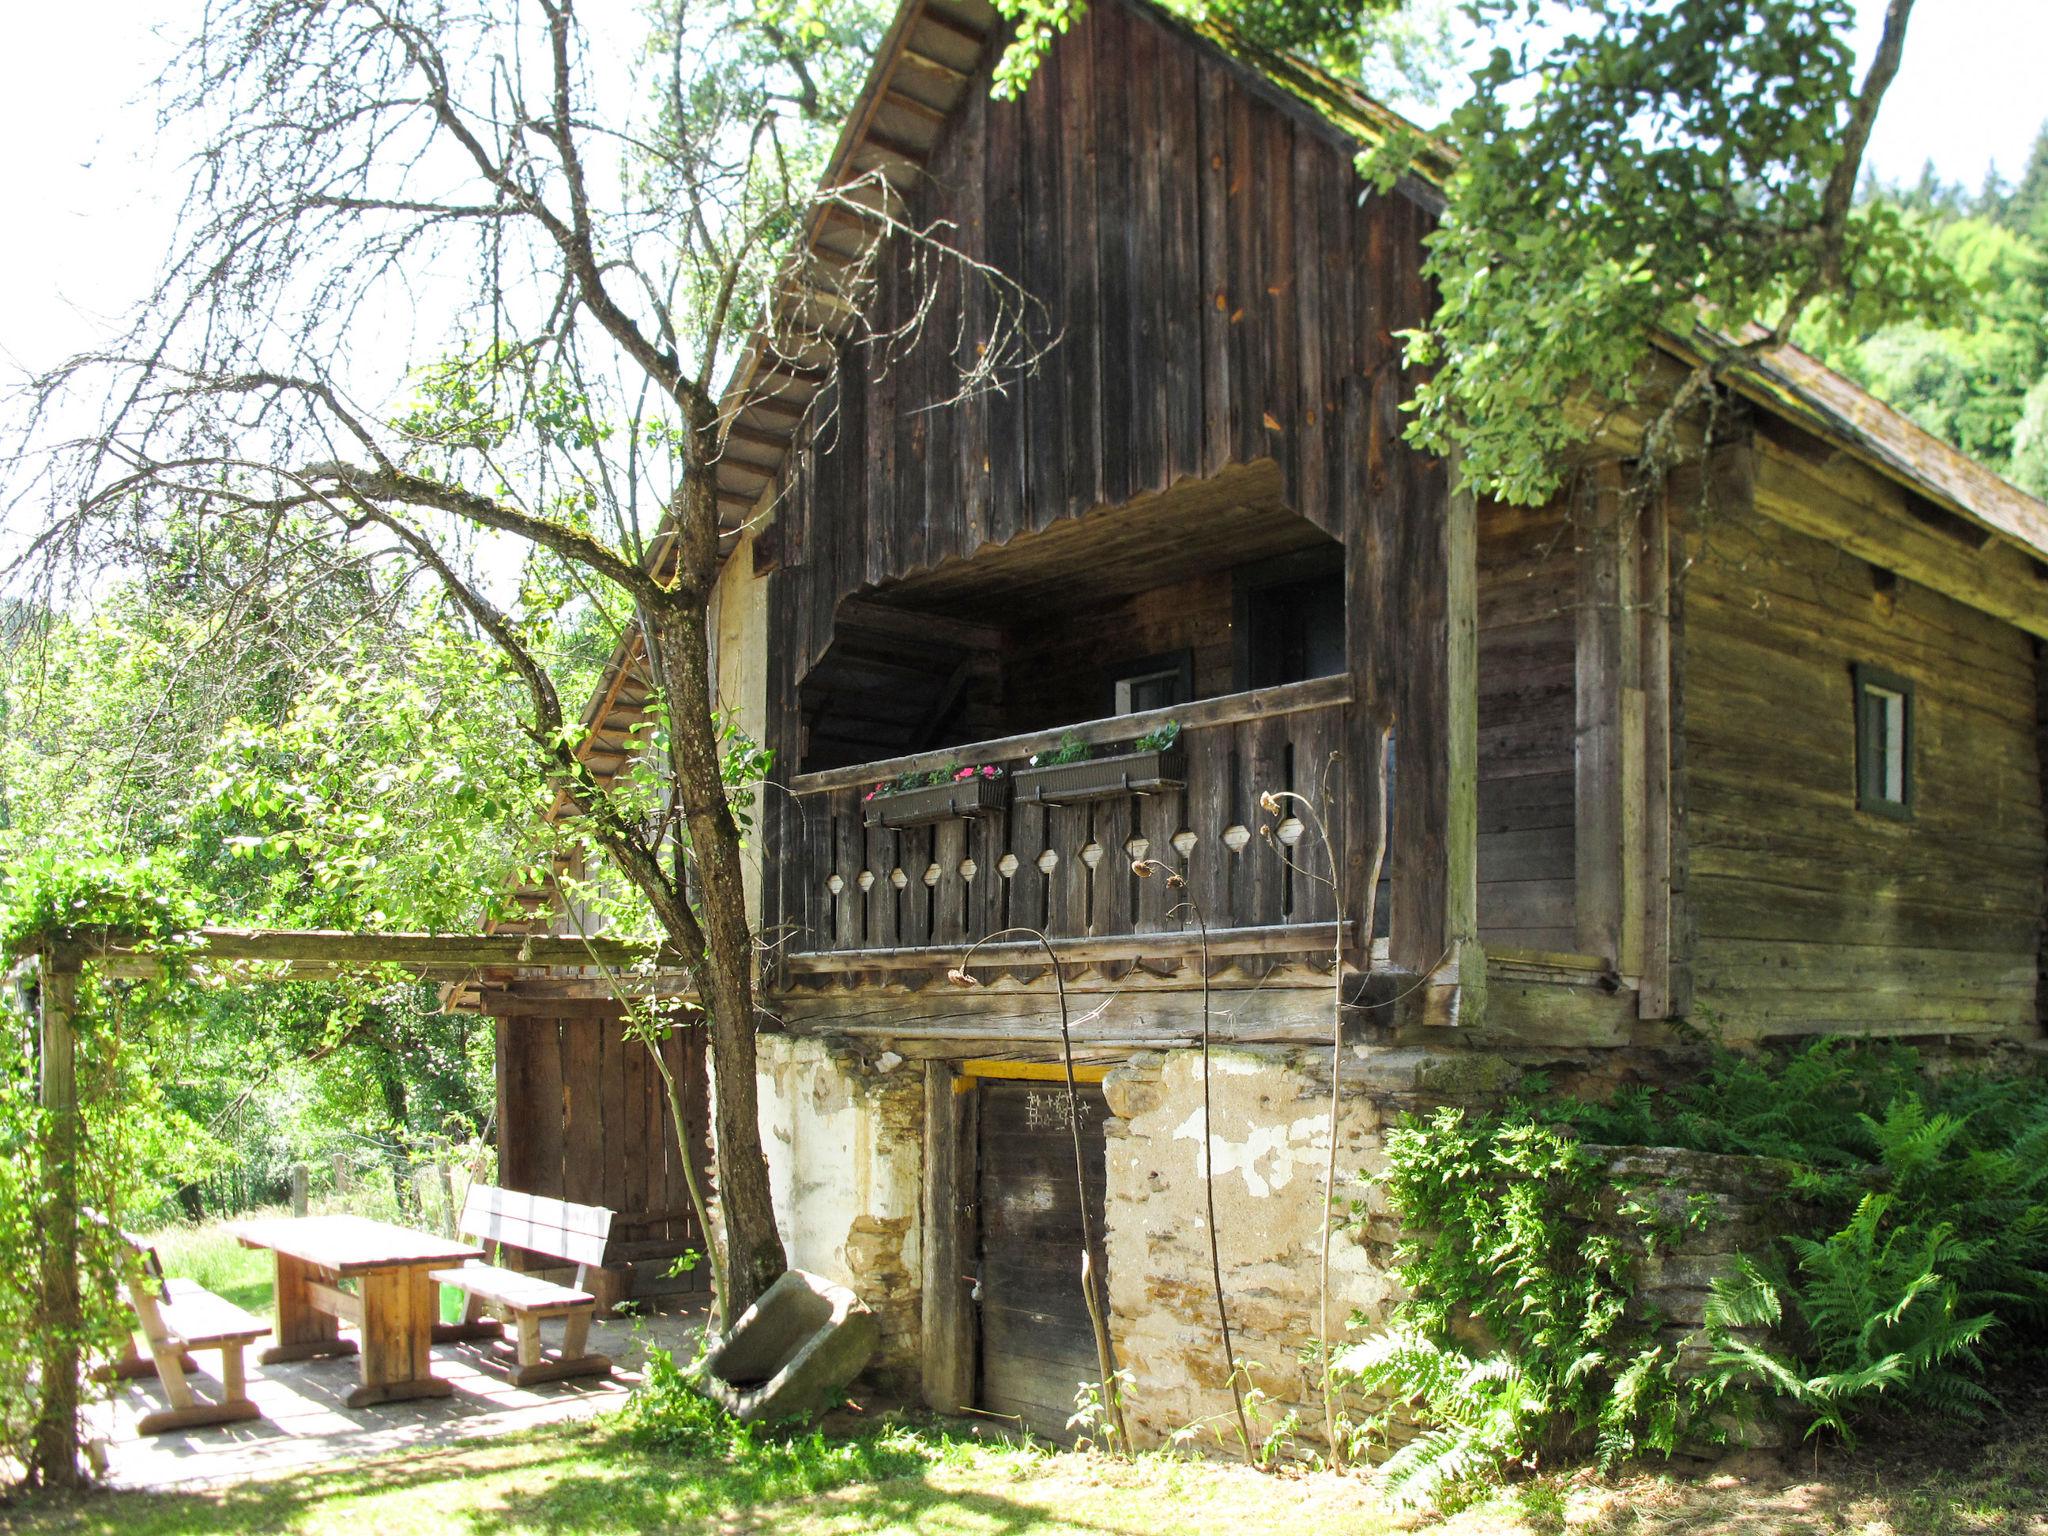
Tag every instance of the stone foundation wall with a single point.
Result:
(1271, 1149)
(844, 1134)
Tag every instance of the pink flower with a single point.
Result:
(964, 773)
(988, 770)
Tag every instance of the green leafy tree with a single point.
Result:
(1973, 378)
(1634, 168)
(1619, 170)
(453, 279)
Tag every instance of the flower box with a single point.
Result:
(952, 801)
(1103, 778)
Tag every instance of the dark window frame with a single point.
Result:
(1251, 584)
(1870, 755)
(1179, 664)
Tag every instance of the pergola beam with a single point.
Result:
(322, 954)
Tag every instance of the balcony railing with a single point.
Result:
(880, 901)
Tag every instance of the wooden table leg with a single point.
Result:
(399, 1308)
(303, 1331)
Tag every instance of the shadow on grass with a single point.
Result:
(650, 1501)
(589, 1479)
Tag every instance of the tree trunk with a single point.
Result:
(725, 973)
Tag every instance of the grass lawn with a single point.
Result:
(210, 1255)
(588, 1478)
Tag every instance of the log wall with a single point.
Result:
(582, 1116)
(1526, 764)
(1812, 916)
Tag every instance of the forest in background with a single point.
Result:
(325, 748)
(1978, 377)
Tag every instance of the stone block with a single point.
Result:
(793, 1352)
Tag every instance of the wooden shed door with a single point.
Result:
(1036, 1344)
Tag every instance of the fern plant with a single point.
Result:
(1505, 1239)
(1517, 1342)
(1875, 1312)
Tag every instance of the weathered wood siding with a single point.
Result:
(1076, 658)
(1222, 296)
(1812, 915)
(583, 1116)
(1526, 656)
(1214, 282)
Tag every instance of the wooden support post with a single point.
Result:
(1660, 810)
(302, 1331)
(398, 1310)
(949, 1318)
(1610, 712)
(299, 1185)
(53, 1455)
(528, 1338)
(1467, 963)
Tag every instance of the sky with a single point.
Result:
(88, 190)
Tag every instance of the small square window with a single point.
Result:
(1155, 682)
(1884, 742)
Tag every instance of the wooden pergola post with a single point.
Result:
(53, 1455)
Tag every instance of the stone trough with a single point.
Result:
(793, 1352)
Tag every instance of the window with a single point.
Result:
(1290, 618)
(1884, 742)
(1155, 682)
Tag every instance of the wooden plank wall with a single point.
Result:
(1075, 657)
(1811, 915)
(1526, 659)
(582, 1116)
(1222, 296)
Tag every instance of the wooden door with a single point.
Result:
(1036, 1346)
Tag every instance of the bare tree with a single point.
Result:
(447, 271)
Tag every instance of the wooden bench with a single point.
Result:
(177, 1317)
(555, 1229)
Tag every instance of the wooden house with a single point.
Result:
(1757, 756)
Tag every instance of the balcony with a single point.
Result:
(856, 904)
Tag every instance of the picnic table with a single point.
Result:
(394, 1305)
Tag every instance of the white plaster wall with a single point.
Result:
(1269, 1143)
(739, 631)
(845, 1152)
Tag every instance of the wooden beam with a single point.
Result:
(53, 1454)
(901, 149)
(774, 405)
(754, 437)
(949, 1180)
(910, 104)
(327, 952)
(972, 36)
(1607, 816)
(1461, 742)
(1661, 808)
(1274, 939)
(1022, 1021)
(1257, 704)
(937, 67)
